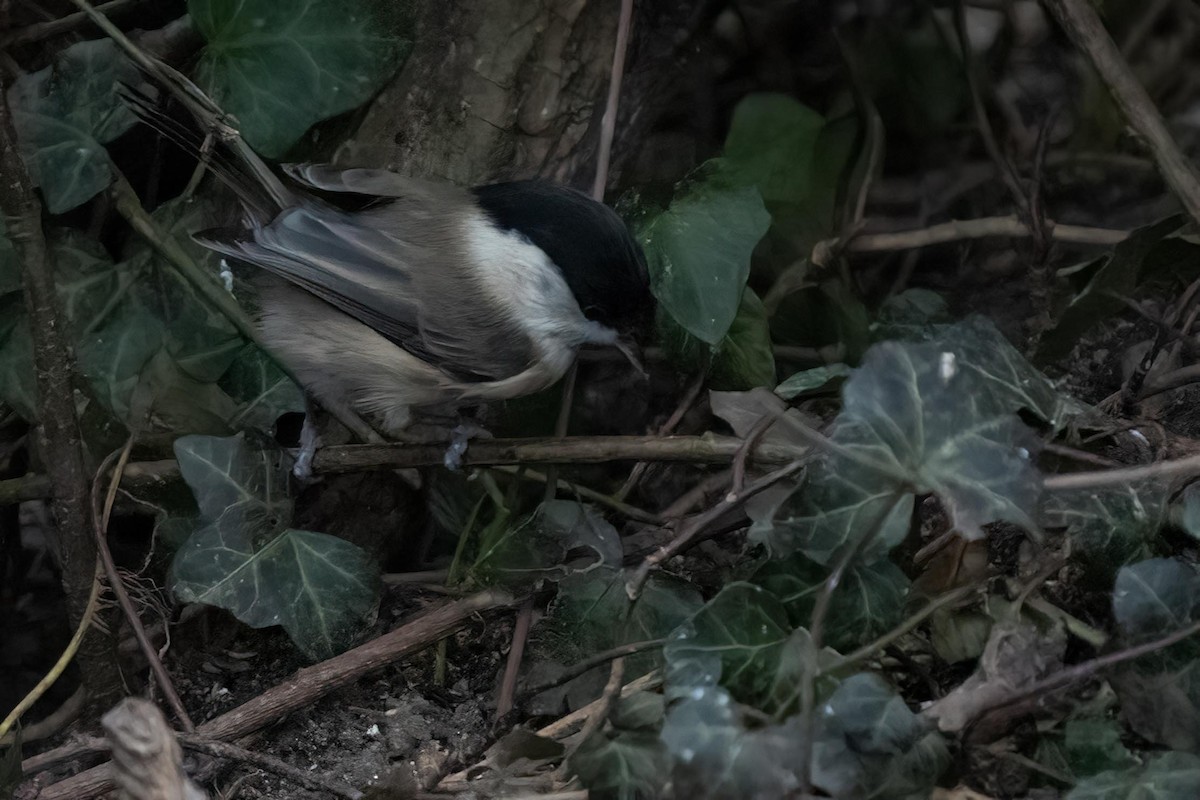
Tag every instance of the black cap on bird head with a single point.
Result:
(599, 259)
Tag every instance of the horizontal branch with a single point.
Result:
(707, 449)
(959, 230)
(573, 450)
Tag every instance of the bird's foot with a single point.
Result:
(310, 440)
(460, 440)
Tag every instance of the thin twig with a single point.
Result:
(608, 123)
(1007, 173)
(932, 607)
(512, 666)
(100, 517)
(1120, 477)
(595, 721)
(591, 662)
(816, 629)
(309, 684)
(1085, 670)
(1083, 25)
(668, 427)
(706, 449)
(632, 512)
(268, 763)
(985, 227)
(44, 30)
(689, 532)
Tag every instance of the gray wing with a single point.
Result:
(397, 268)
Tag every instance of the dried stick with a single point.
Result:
(691, 531)
(267, 763)
(44, 30)
(1119, 477)
(1085, 670)
(591, 662)
(959, 230)
(148, 764)
(58, 430)
(1083, 25)
(100, 517)
(308, 684)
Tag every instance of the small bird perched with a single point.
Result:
(399, 293)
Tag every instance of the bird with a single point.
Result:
(385, 294)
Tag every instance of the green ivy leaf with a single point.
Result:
(922, 417)
(869, 744)
(246, 559)
(914, 315)
(1160, 692)
(735, 640)
(868, 602)
(261, 389)
(560, 538)
(1111, 526)
(1155, 597)
(1170, 776)
(772, 144)
(279, 66)
(813, 380)
(1094, 745)
(592, 613)
(65, 113)
(718, 755)
(1186, 511)
(744, 358)
(622, 765)
(698, 252)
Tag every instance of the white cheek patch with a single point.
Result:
(522, 280)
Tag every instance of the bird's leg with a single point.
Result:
(310, 436)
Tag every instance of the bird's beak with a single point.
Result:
(629, 350)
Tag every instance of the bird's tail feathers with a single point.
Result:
(212, 137)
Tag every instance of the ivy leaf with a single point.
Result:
(629, 765)
(813, 380)
(1187, 510)
(772, 144)
(1093, 745)
(868, 602)
(742, 641)
(559, 539)
(719, 756)
(1160, 692)
(65, 113)
(278, 66)
(592, 613)
(744, 358)
(246, 559)
(261, 389)
(200, 339)
(914, 315)
(698, 252)
(918, 417)
(869, 744)
(1170, 776)
(735, 640)
(1110, 526)
(1155, 597)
